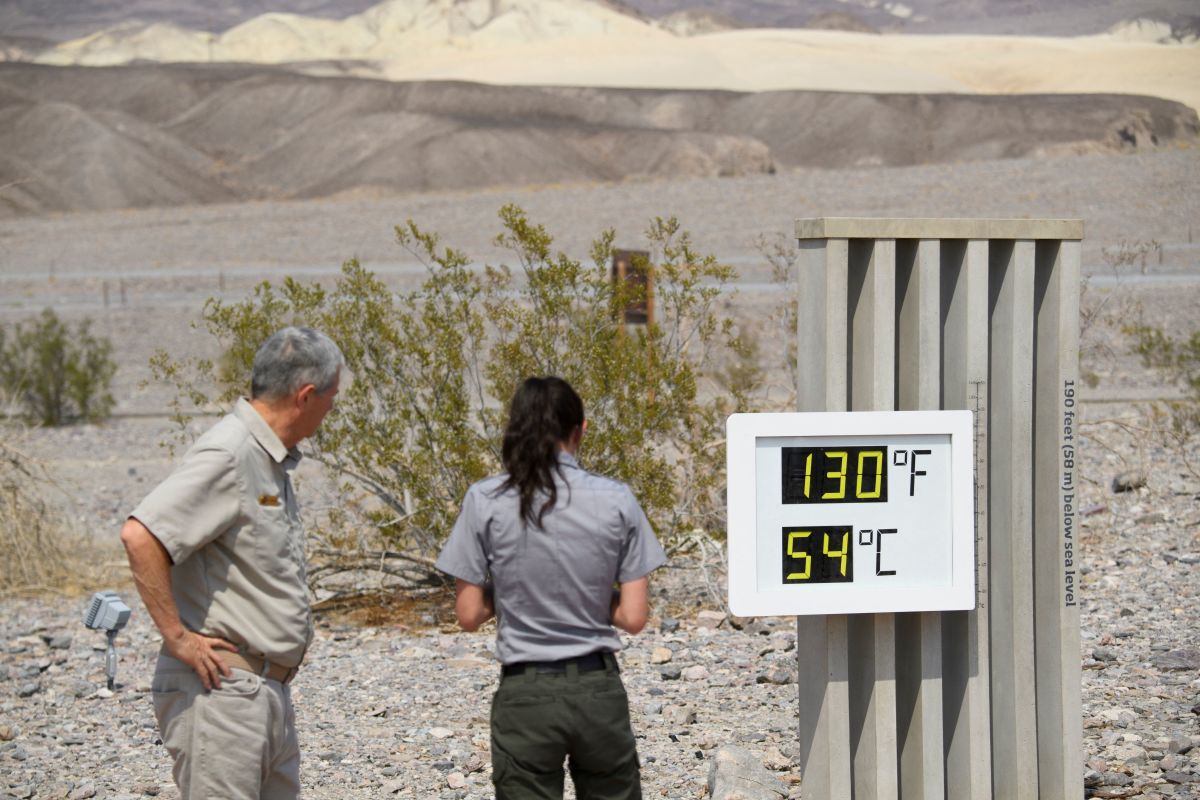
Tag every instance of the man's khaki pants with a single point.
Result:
(237, 742)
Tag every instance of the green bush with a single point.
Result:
(433, 370)
(56, 375)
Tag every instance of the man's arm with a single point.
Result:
(631, 605)
(472, 604)
(151, 568)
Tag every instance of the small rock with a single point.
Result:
(1117, 779)
(735, 774)
(28, 689)
(1177, 777)
(775, 760)
(778, 676)
(1127, 482)
(86, 790)
(1177, 660)
(417, 652)
(21, 792)
(696, 672)
(61, 642)
(441, 733)
(391, 787)
(7, 733)
(470, 662)
(1178, 745)
(661, 655)
(55, 791)
(1104, 654)
(710, 619)
(1152, 518)
(677, 716)
(670, 672)
(456, 780)
(104, 693)
(148, 789)
(668, 625)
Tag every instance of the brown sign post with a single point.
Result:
(634, 266)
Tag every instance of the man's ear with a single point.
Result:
(305, 394)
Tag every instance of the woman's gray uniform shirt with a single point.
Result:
(553, 585)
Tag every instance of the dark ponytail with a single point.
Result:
(544, 413)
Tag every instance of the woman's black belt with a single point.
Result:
(589, 663)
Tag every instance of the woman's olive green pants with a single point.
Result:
(541, 719)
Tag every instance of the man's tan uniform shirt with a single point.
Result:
(228, 518)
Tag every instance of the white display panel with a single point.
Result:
(845, 513)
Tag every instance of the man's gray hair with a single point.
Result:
(293, 358)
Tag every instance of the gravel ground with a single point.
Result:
(401, 710)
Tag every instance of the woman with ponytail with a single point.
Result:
(541, 547)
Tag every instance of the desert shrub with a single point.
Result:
(57, 375)
(41, 552)
(1176, 421)
(782, 257)
(433, 370)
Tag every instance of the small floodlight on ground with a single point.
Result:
(107, 612)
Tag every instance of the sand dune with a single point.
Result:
(393, 29)
(763, 60)
(582, 43)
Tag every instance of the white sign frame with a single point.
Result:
(747, 599)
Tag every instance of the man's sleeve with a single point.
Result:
(463, 555)
(642, 553)
(197, 502)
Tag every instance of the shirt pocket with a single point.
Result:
(276, 538)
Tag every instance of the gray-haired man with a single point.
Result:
(217, 553)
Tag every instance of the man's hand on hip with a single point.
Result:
(200, 653)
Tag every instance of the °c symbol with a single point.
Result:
(865, 537)
(899, 458)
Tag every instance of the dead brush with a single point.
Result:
(41, 552)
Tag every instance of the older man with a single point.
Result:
(217, 553)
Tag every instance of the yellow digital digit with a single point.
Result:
(839, 554)
(838, 475)
(807, 473)
(791, 551)
(862, 459)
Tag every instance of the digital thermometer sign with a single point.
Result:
(856, 512)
